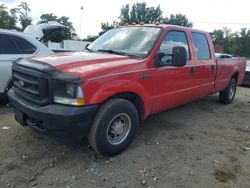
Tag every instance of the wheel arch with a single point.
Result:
(134, 93)
(132, 97)
(235, 75)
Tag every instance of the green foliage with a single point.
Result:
(140, 13)
(47, 17)
(91, 38)
(218, 37)
(178, 19)
(106, 26)
(24, 10)
(237, 43)
(44, 18)
(125, 14)
(7, 21)
(65, 21)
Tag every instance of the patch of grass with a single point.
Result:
(228, 170)
(224, 176)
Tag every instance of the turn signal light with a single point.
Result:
(80, 102)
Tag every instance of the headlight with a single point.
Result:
(68, 93)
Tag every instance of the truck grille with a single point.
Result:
(32, 85)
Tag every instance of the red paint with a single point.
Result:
(105, 75)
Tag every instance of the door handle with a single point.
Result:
(192, 71)
(212, 68)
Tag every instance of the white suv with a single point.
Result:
(14, 45)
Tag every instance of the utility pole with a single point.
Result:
(81, 22)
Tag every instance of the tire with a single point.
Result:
(227, 96)
(114, 127)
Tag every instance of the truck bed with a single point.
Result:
(225, 70)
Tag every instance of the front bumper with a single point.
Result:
(67, 124)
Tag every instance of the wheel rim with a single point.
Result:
(118, 129)
(232, 91)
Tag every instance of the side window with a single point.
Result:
(10, 44)
(24, 45)
(172, 39)
(201, 46)
(7, 46)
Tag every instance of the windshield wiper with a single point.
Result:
(119, 53)
(113, 52)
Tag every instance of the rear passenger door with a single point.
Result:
(11, 48)
(204, 66)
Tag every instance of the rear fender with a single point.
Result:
(235, 71)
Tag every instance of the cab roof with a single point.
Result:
(165, 26)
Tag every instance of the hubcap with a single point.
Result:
(232, 91)
(118, 129)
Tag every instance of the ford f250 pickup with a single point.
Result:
(123, 77)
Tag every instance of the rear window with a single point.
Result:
(10, 44)
(7, 46)
(201, 46)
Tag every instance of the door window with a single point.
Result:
(201, 46)
(173, 39)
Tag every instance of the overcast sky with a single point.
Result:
(206, 15)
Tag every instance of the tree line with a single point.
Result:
(140, 12)
(9, 19)
(18, 18)
(235, 43)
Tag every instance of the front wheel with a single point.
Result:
(114, 127)
(227, 96)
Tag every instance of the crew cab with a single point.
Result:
(123, 77)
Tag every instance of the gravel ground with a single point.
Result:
(201, 144)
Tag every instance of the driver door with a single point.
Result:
(173, 85)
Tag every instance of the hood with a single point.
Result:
(43, 31)
(88, 64)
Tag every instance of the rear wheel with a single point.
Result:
(114, 127)
(227, 96)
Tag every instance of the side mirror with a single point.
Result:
(158, 59)
(178, 58)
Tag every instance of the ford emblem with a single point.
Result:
(21, 83)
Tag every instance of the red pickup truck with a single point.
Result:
(121, 78)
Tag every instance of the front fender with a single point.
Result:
(108, 90)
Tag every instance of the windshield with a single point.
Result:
(131, 41)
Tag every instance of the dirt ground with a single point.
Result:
(201, 144)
